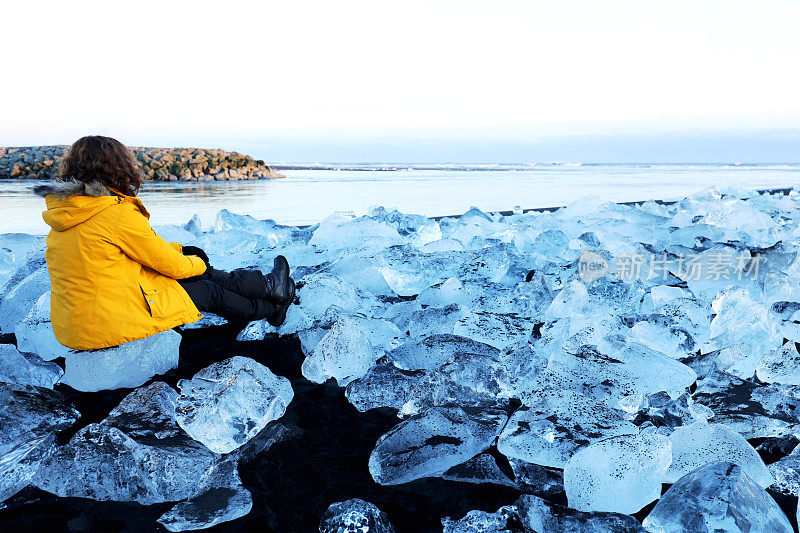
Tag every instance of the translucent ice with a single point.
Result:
(556, 425)
(35, 332)
(137, 454)
(717, 497)
(128, 365)
(751, 409)
(480, 469)
(787, 475)
(500, 521)
(537, 514)
(21, 293)
(228, 403)
(30, 417)
(495, 329)
(429, 444)
(26, 369)
(781, 365)
(617, 372)
(433, 351)
(344, 353)
(353, 516)
(383, 385)
(701, 443)
(620, 474)
(342, 232)
(220, 498)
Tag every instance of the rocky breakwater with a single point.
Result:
(160, 164)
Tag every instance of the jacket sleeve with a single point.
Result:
(137, 240)
(178, 246)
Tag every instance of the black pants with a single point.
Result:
(237, 295)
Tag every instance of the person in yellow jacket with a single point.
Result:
(113, 279)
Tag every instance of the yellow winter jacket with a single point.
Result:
(112, 279)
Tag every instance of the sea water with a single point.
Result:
(307, 195)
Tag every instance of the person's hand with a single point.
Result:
(194, 250)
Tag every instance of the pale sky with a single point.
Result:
(291, 76)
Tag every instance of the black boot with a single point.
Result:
(277, 318)
(280, 287)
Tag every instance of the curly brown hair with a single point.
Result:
(104, 159)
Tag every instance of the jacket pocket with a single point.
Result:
(154, 300)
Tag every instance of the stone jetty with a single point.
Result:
(159, 164)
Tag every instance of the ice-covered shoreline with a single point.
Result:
(516, 349)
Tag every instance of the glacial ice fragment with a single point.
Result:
(556, 424)
(620, 474)
(500, 521)
(354, 516)
(429, 444)
(716, 497)
(27, 369)
(228, 403)
(21, 293)
(29, 419)
(495, 329)
(433, 351)
(35, 332)
(537, 515)
(128, 365)
(701, 443)
(138, 453)
(344, 353)
(220, 497)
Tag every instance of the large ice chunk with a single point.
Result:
(429, 444)
(30, 417)
(228, 403)
(495, 329)
(138, 453)
(617, 372)
(221, 497)
(35, 332)
(701, 443)
(26, 369)
(557, 424)
(382, 386)
(128, 365)
(751, 409)
(717, 497)
(620, 474)
(342, 232)
(344, 353)
(500, 521)
(21, 293)
(353, 516)
(537, 514)
(433, 351)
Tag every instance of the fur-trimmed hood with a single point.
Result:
(71, 202)
(72, 187)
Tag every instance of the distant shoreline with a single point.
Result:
(158, 164)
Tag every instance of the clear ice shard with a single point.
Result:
(221, 497)
(27, 369)
(700, 443)
(35, 332)
(619, 475)
(480, 469)
(495, 329)
(500, 521)
(537, 515)
(554, 426)
(138, 453)
(30, 417)
(431, 352)
(429, 444)
(344, 353)
(354, 516)
(228, 403)
(717, 497)
(21, 293)
(125, 366)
